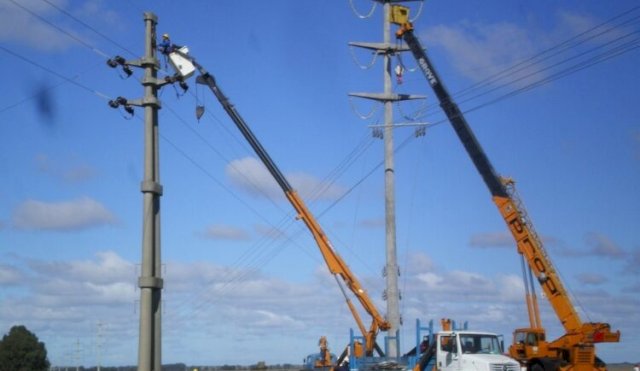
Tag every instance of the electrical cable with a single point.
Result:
(79, 40)
(566, 72)
(115, 43)
(104, 96)
(357, 62)
(48, 70)
(570, 43)
(358, 14)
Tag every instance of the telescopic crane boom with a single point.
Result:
(574, 350)
(334, 262)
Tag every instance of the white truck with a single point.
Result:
(450, 349)
(466, 350)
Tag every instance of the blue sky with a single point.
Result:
(244, 282)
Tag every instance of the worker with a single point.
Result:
(166, 46)
(424, 345)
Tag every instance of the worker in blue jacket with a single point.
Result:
(166, 46)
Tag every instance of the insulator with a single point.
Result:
(377, 133)
(111, 63)
(127, 70)
(199, 112)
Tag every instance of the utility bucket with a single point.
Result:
(180, 63)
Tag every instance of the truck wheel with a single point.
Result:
(536, 367)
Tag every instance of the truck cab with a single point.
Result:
(471, 350)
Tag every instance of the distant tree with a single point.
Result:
(20, 350)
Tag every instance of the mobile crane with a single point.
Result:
(334, 262)
(575, 350)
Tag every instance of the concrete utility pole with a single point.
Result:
(150, 280)
(391, 269)
(77, 354)
(98, 344)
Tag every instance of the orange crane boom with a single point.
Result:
(334, 262)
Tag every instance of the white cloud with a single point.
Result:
(107, 267)
(66, 298)
(78, 214)
(574, 23)
(514, 55)
(225, 232)
(19, 26)
(418, 262)
(22, 23)
(250, 175)
(495, 239)
(591, 278)
(310, 187)
(372, 223)
(431, 280)
(270, 232)
(479, 50)
(71, 171)
(601, 245)
(9, 275)
(510, 287)
(273, 320)
(106, 279)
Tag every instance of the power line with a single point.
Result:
(90, 47)
(48, 70)
(179, 150)
(565, 72)
(87, 26)
(564, 46)
(347, 162)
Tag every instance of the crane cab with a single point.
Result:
(528, 343)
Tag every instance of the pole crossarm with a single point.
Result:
(381, 48)
(387, 97)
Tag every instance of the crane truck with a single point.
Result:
(337, 266)
(448, 351)
(575, 350)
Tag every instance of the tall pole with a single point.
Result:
(98, 345)
(150, 280)
(391, 270)
(77, 354)
(391, 267)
